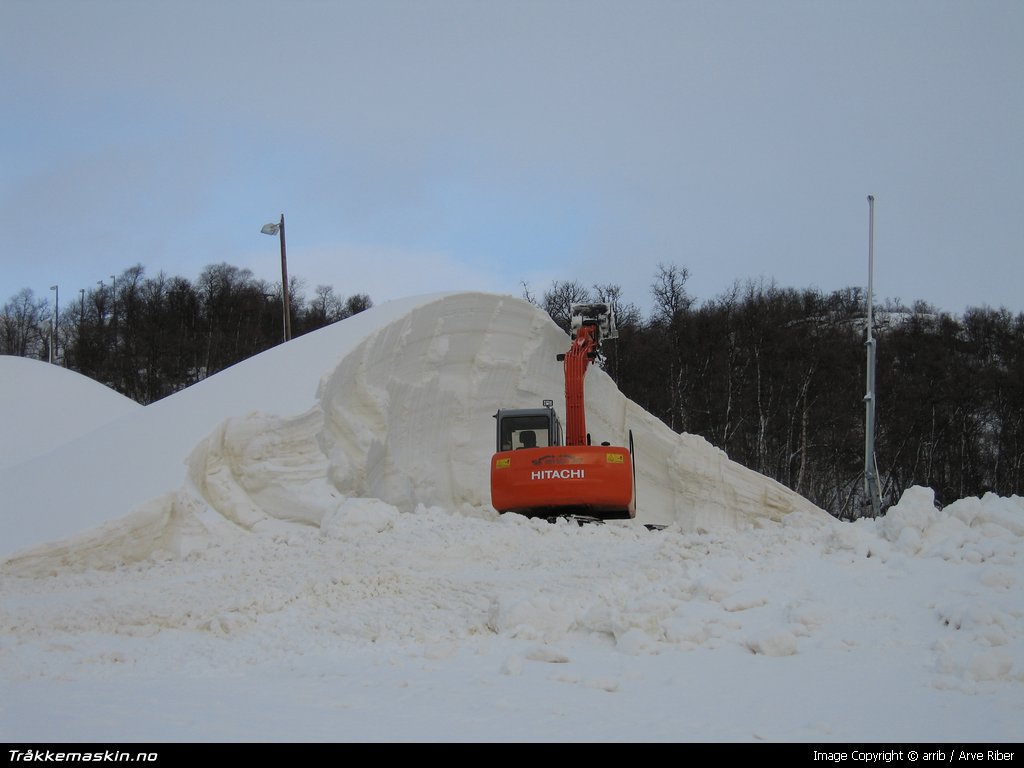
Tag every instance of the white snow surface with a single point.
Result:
(301, 548)
(45, 406)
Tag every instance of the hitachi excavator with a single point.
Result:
(534, 473)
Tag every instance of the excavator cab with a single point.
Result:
(528, 427)
(538, 472)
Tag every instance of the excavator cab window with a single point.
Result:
(527, 431)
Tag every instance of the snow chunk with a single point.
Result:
(358, 518)
(773, 643)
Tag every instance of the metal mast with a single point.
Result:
(873, 498)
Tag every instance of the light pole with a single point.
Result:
(56, 317)
(278, 229)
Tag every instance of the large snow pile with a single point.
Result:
(401, 413)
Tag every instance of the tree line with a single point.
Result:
(148, 337)
(773, 376)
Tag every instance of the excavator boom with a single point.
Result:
(576, 361)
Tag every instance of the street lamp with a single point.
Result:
(278, 229)
(56, 317)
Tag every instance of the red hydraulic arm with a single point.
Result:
(582, 351)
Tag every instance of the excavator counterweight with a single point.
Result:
(538, 474)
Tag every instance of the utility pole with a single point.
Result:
(113, 310)
(56, 327)
(873, 498)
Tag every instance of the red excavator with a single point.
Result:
(535, 474)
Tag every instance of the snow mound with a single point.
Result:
(405, 417)
(970, 530)
(34, 393)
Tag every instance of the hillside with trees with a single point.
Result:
(775, 377)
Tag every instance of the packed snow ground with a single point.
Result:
(301, 548)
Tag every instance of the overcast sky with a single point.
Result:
(448, 145)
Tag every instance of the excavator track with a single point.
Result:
(582, 520)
